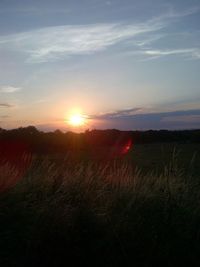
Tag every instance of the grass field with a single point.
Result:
(142, 209)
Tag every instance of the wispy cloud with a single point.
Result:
(190, 52)
(54, 42)
(145, 42)
(9, 89)
(167, 52)
(172, 14)
(6, 105)
(148, 39)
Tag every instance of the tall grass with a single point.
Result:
(64, 214)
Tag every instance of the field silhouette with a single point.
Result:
(99, 198)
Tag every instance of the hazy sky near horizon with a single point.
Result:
(126, 64)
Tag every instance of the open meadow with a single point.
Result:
(142, 209)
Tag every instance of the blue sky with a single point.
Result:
(125, 64)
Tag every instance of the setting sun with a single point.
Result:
(77, 120)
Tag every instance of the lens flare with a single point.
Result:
(127, 147)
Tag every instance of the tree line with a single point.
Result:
(37, 141)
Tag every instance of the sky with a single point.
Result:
(125, 64)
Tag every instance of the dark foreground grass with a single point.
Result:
(97, 214)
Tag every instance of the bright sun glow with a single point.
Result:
(77, 120)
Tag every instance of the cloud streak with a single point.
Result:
(116, 114)
(9, 89)
(182, 119)
(6, 105)
(191, 52)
